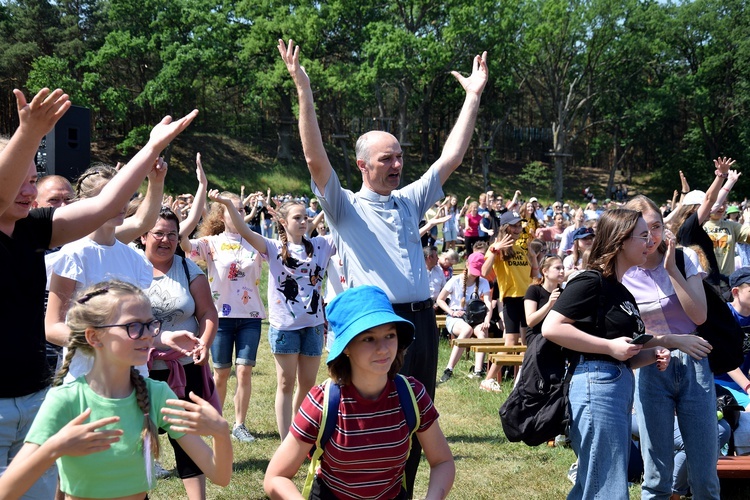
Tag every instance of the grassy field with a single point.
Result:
(487, 465)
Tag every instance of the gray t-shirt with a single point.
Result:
(172, 302)
(378, 236)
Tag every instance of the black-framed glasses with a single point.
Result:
(135, 329)
(160, 235)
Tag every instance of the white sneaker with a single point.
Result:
(490, 385)
(240, 433)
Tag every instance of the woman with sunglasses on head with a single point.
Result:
(597, 317)
(181, 298)
(671, 306)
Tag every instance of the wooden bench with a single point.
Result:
(471, 341)
(440, 318)
(734, 467)
(499, 349)
(507, 359)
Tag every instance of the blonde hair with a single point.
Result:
(546, 264)
(213, 223)
(93, 179)
(97, 305)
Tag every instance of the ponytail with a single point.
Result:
(149, 433)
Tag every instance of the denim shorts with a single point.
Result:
(305, 341)
(236, 334)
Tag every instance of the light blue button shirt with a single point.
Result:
(378, 236)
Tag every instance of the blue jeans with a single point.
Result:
(16, 416)
(686, 389)
(240, 334)
(601, 400)
(304, 341)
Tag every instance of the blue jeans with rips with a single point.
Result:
(601, 401)
(686, 389)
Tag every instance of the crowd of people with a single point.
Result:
(127, 299)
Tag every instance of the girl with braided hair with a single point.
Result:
(296, 266)
(112, 321)
(460, 290)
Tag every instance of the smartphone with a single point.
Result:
(642, 338)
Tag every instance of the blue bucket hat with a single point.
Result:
(361, 308)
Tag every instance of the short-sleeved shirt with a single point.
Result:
(513, 275)
(233, 267)
(437, 281)
(692, 233)
(725, 234)
(580, 302)
(540, 296)
(378, 236)
(657, 300)
(172, 302)
(725, 379)
(118, 471)
(24, 370)
(455, 288)
(366, 454)
(294, 289)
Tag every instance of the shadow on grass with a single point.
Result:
(250, 464)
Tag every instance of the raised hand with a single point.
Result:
(684, 183)
(290, 56)
(723, 164)
(159, 172)
(734, 176)
(41, 114)
(199, 172)
(475, 83)
(198, 417)
(215, 195)
(167, 129)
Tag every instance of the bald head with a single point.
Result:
(363, 147)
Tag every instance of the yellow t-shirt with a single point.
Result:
(514, 275)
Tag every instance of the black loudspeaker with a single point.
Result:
(66, 150)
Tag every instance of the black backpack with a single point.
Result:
(721, 329)
(537, 409)
(476, 309)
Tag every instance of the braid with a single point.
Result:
(308, 246)
(465, 277)
(284, 242)
(144, 403)
(65, 367)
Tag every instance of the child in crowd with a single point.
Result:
(367, 451)
(542, 294)
(737, 381)
(112, 321)
(233, 267)
(296, 266)
(459, 291)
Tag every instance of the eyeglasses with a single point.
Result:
(159, 235)
(656, 228)
(135, 329)
(646, 238)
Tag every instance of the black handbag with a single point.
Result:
(476, 309)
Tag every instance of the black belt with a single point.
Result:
(413, 306)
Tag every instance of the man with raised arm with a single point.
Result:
(24, 235)
(377, 229)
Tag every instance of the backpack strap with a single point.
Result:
(408, 402)
(331, 399)
(185, 268)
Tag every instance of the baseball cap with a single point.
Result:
(582, 232)
(694, 197)
(533, 199)
(739, 277)
(510, 218)
(358, 309)
(474, 263)
(733, 209)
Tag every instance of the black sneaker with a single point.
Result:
(447, 374)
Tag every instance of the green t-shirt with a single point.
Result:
(118, 471)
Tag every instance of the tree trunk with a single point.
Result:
(285, 131)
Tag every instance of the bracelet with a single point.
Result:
(747, 387)
(684, 192)
(725, 189)
(719, 174)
